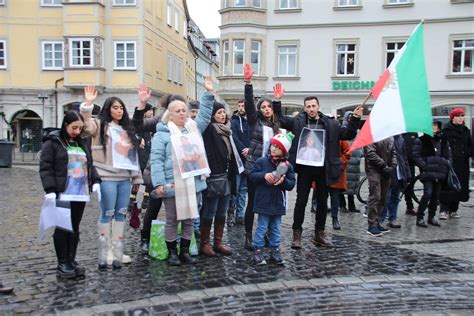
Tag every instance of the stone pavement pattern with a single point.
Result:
(411, 269)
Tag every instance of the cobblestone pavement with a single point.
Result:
(409, 270)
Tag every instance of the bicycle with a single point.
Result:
(362, 192)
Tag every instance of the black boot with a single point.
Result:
(73, 242)
(144, 246)
(173, 259)
(64, 270)
(184, 255)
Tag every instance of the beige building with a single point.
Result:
(51, 49)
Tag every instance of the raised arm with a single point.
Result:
(141, 124)
(207, 103)
(285, 120)
(91, 126)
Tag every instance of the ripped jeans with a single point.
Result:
(115, 197)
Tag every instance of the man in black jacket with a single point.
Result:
(241, 137)
(311, 118)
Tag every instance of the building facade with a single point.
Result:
(51, 49)
(337, 49)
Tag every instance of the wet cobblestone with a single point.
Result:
(29, 266)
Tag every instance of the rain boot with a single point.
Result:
(205, 247)
(73, 242)
(64, 269)
(184, 255)
(219, 247)
(117, 232)
(173, 259)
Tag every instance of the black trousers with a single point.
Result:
(409, 190)
(65, 242)
(431, 189)
(249, 214)
(306, 175)
(151, 214)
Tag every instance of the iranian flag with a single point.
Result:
(402, 99)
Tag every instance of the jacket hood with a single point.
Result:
(162, 127)
(55, 134)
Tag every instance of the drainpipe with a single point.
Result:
(195, 78)
(56, 98)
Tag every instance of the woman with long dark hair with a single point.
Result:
(114, 148)
(66, 170)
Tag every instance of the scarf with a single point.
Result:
(185, 189)
(224, 132)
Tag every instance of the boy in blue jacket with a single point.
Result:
(272, 175)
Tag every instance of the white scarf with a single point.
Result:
(185, 189)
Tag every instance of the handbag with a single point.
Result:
(218, 185)
(453, 180)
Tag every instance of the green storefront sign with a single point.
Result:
(352, 85)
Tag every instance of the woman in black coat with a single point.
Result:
(460, 142)
(432, 156)
(66, 170)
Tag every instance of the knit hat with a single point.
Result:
(283, 141)
(217, 107)
(455, 112)
(194, 105)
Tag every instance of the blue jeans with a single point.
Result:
(391, 204)
(114, 202)
(271, 223)
(215, 207)
(334, 196)
(238, 200)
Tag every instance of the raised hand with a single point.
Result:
(208, 85)
(248, 72)
(278, 91)
(144, 94)
(359, 110)
(90, 94)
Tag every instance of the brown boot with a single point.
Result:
(321, 240)
(205, 247)
(219, 247)
(296, 244)
(249, 241)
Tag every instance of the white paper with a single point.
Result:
(53, 216)
(240, 164)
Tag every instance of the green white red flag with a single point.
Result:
(402, 98)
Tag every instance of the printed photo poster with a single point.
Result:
(267, 138)
(311, 147)
(124, 155)
(191, 155)
(77, 188)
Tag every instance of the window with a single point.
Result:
(125, 55)
(169, 69)
(178, 71)
(463, 51)
(255, 56)
(2, 2)
(345, 59)
(51, 3)
(288, 4)
(124, 2)
(169, 14)
(185, 28)
(256, 3)
(52, 55)
(239, 3)
(81, 52)
(3, 54)
(398, 1)
(225, 57)
(287, 58)
(238, 60)
(347, 3)
(176, 20)
(392, 49)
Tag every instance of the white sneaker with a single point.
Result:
(443, 216)
(454, 215)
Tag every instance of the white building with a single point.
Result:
(337, 49)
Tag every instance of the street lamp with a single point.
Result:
(42, 97)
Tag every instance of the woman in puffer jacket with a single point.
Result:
(432, 155)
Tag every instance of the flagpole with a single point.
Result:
(366, 99)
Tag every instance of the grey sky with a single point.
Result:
(204, 13)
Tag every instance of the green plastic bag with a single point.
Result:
(158, 249)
